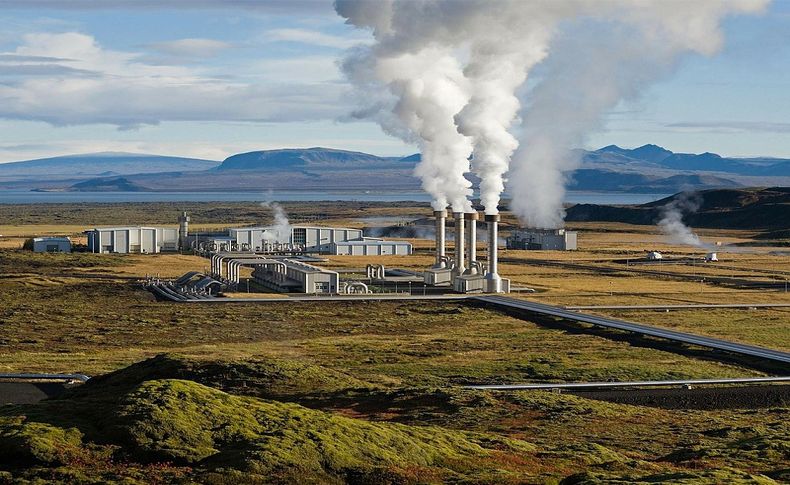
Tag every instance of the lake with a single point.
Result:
(27, 197)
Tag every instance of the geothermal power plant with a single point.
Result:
(287, 259)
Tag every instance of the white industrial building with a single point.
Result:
(308, 238)
(51, 245)
(135, 240)
(287, 275)
(368, 247)
(543, 239)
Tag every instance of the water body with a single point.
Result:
(26, 197)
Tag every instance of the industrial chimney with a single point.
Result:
(459, 243)
(183, 230)
(471, 243)
(493, 281)
(440, 220)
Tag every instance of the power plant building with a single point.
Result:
(368, 247)
(132, 240)
(308, 238)
(51, 245)
(542, 239)
(287, 275)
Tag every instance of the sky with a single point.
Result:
(210, 78)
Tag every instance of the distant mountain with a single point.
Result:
(612, 181)
(99, 164)
(302, 159)
(649, 168)
(117, 184)
(653, 157)
(648, 153)
(752, 208)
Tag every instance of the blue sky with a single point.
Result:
(208, 81)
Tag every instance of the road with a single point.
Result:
(507, 303)
(690, 306)
(28, 392)
(603, 385)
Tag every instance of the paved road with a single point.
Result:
(687, 338)
(689, 306)
(602, 385)
(28, 392)
(373, 297)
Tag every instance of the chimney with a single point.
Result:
(471, 243)
(459, 243)
(494, 282)
(440, 220)
(183, 230)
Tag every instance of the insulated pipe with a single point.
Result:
(440, 220)
(471, 243)
(494, 282)
(459, 242)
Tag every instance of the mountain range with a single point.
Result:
(649, 168)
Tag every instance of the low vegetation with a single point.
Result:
(372, 392)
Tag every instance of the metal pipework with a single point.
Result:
(459, 242)
(495, 282)
(471, 243)
(440, 239)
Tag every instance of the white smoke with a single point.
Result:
(596, 63)
(671, 222)
(446, 62)
(427, 89)
(281, 229)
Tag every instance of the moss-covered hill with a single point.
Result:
(170, 419)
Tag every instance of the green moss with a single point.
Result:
(25, 441)
(706, 477)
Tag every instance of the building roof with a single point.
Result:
(52, 239)
(369, 242)
(268, 228)
(123, 228)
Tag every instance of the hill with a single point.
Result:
(302, 158)
(114, 184)
(646, 169)
(752, 208)
(100, 164)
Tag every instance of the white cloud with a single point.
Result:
(126, 91)
(191, 47)
(312, 37)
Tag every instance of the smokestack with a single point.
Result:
(494, 282)
(440, 220)
(459, 242)
(471, 243)
(183, 230)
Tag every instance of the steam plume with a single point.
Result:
(597, 62)
(671, 222)
(446, 62)
(281, 226)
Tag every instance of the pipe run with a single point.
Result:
(440, 239)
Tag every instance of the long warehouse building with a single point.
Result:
(132, 240)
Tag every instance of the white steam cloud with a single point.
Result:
(445, 74)
(671, 222)
(281, 226)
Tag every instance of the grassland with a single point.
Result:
(369, 392)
